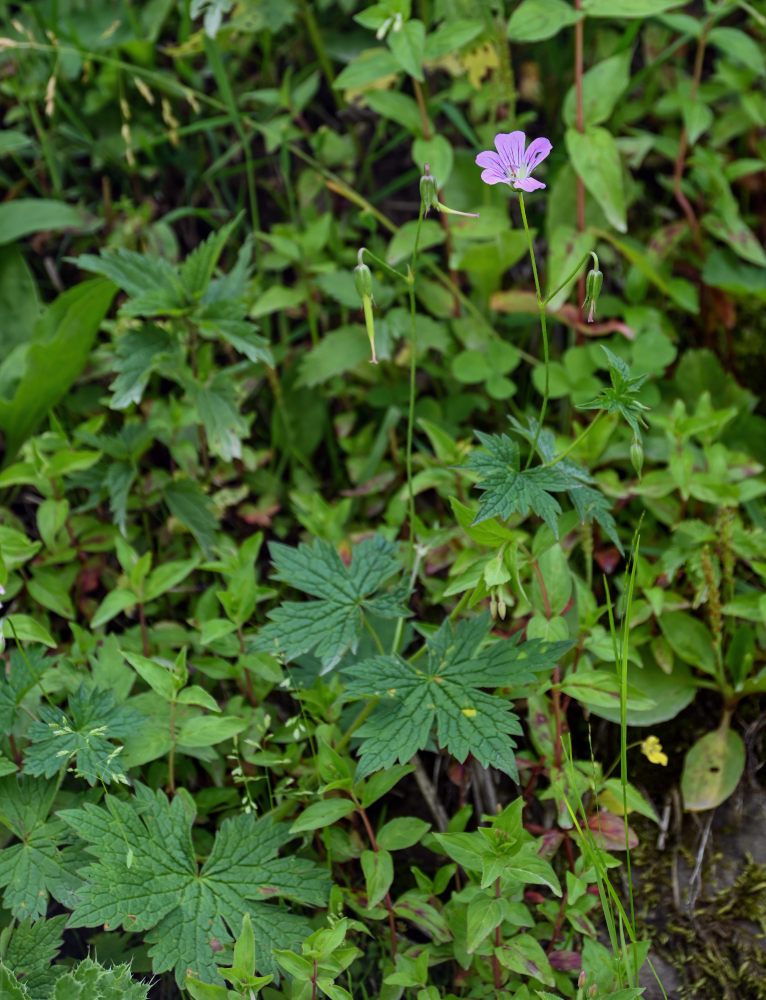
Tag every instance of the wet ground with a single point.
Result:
(701, 897)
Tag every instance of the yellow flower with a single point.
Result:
(651, 748)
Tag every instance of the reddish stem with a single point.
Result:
(389, 904)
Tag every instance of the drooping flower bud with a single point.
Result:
(363, 283)
(363, 280)
(429, 197)
(637, 456)
(593, 283)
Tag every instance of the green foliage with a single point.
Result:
(146, 878)
(445, 691)
(335, 621)
(221, 169)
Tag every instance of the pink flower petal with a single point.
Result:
(528, 184)
(489, 158)
(494, 176)
(537, 150)
(510, 146)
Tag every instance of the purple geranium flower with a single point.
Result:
(512, 163)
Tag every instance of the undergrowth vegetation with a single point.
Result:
(381, 506)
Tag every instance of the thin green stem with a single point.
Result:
(569, 277)
(411, 408)
(381, 263)
(577, 441)
(541, 307)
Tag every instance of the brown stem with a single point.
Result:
(314, 981)
(389, 904)
(683, 145)
(557, 925)
(546, 602)
(422, 108)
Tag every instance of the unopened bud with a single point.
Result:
(363, 280)
(428, 191)
(637, 456)
(593, 283)
(581, 979)
(592, 990)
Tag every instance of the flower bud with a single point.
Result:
(637, 456)
(428, 191)
(593, 283)
(363, 280)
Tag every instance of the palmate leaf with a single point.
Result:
(17, 679)
(36, 867)
(446, 692)
(145, 878)
(621, 396)
(508, 489)
(590, 503)
(332, 624)
(83, 735)
(29, 951)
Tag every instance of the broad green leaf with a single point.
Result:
(338, 352)
(174, 904)
(482, 917)
(438, 154)
(377, 785)
(368, 67)
(596, 160)
(535, 20)
(208, 730)
(334, 623)
(602, 87)
(378, 868)
(19, 301)
(628, 8)
(23, 216)
(320, 814)
(737, 44)
(158, 677)
(402, 243)
(397, 107)
(12, 142)
(404, 831)
(82, 737)
(712, 769)
(189, 503)
(445, 692)
(450, 36)
(34, 868)
(44, 368)
(165, 577)
(739, 237)
(523, 954)
(112, 605)
(25, 628)
(690, 639)
(408, 46)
